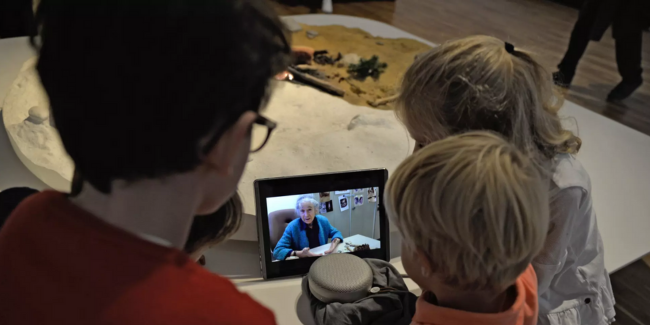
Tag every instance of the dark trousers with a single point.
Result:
(627, 30)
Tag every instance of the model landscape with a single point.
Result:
(325, 123)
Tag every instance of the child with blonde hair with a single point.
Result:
(483, 83)
(473, 212)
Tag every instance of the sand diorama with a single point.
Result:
(334, 115)
(339, 56)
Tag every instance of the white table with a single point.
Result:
(616, 157)
(354, 240)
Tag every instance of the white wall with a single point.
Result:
(281, 202)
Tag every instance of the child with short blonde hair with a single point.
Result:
(473, 212)
(483, 83)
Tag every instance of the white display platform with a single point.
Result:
(616, 157)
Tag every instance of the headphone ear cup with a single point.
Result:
(340, 278)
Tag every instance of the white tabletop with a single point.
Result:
(616, 157)
(354, 240)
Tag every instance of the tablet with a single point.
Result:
(298, 217)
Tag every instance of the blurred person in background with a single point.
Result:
(628, 19)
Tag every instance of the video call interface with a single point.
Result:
(307, 223)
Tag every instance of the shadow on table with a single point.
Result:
(235, 259)
(12, 172)
(303, 308)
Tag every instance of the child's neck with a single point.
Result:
(487, 302)
(159, 208)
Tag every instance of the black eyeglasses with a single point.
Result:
(261, 132)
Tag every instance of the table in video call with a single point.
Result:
(354, 240)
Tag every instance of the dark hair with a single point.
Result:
(215, 227)
(137, 89)
(10, 199)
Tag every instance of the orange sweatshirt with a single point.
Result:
(522, 312)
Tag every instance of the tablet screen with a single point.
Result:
(299, 218)
(305, 225)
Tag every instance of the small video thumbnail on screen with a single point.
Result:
(316, 224)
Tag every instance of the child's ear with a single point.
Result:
(222, 156)
(424, 262)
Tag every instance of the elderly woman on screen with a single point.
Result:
(309, 231)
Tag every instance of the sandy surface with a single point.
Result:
(397, 53)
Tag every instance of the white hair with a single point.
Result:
(307, 198)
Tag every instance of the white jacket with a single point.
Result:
(574, 287)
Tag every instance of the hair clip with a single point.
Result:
(510, 48)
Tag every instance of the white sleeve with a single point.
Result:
(564, 209)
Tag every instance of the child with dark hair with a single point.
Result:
(155, 103)
(212, 229)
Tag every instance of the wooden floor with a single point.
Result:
(632, 293)
(540, 26)
(543, 27)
